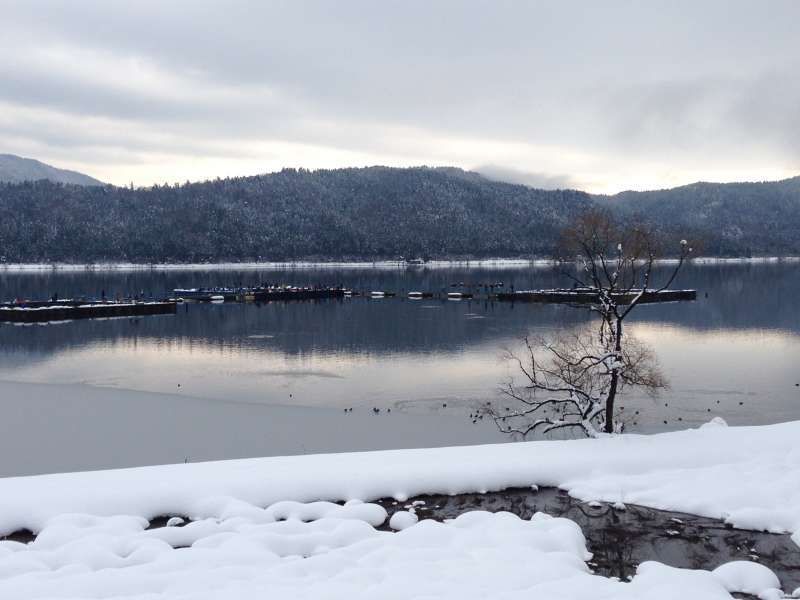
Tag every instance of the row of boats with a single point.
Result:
(413, 295)
(256, 294)
(270, 293)
(569, 296)
(68, 309)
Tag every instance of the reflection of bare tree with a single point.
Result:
(613, 552)
(569, 380)
(620, 540)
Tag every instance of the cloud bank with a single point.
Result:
(599, 96)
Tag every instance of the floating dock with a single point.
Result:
(592, 296)
(40, 312)
(284, 294)
(257, 294)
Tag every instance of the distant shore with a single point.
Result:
(493, 263)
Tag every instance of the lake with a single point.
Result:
(230, 380)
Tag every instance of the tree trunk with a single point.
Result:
(612, 393)
(612, 389)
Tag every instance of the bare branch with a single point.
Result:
(573, 380)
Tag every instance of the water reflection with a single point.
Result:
(733, 352)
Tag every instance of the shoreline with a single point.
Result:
(646, 533)
(502, 263)
(647, 470)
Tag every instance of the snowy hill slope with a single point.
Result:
(374, 213)
(16, 169)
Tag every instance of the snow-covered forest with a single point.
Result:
(371, 213)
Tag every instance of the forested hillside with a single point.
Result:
(372, 213)
(732, 219)
(346, 213)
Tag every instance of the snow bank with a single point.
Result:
(746, 577)
(260, 527)
(748, 476)
(252, 555)
(403, 519)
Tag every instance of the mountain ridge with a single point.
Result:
(369, 213)
(18, 169)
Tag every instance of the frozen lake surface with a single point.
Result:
(233, 380)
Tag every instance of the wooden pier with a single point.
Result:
(258, 294)
(287, 294)
(592, 296)
(41, 312)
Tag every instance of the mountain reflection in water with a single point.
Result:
(734, 352)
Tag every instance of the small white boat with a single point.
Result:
(415, 295)
(458, 295)
(217, 298)
(378, 294)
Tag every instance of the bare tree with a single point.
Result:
(573, 381)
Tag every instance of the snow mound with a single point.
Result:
(475, 556)
(715, 422)
(402, 519)
(747, 577)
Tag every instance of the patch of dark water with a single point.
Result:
(23, 536)
(620, 539)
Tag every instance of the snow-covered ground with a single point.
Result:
(92, 541)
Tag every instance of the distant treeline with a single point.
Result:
(731, 219)
(372, 213)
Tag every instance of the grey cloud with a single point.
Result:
(729, 115)
(615, 79)
(545, 181)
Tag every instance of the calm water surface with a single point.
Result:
(236, 380)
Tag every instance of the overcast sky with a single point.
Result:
(601, 96)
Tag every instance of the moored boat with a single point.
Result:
(458, 295)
